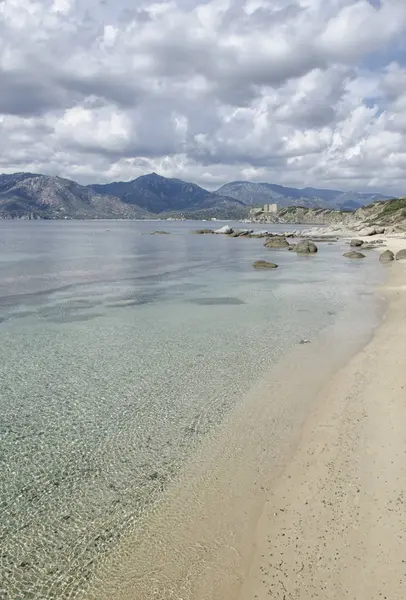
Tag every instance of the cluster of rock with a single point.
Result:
(307, 245)
(386, 256)
(303, 247)
(250, 233)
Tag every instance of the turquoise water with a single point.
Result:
(119, 352)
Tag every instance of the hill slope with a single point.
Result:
(258, 194)
(161, 195)
(386, 213)
(30, 195)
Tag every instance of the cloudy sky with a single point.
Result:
(297, 92)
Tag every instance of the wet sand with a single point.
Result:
(333, 523)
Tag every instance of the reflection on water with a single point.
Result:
(119, 352)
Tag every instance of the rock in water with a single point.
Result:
(225, 229)
(203, 231)
(354, 254)
(370, 246)
(160, 233)
(356, 243)
(263, 264)
(276, 242)
(306, 247)
(401, 255)
(387, 256)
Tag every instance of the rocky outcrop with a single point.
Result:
(263, 264)
(372, 231)
(203, 231)
(384, 216)
(306, 247)
(354, 254)
(387, 256)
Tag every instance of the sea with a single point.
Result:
(122, 356)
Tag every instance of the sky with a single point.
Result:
(295, 92)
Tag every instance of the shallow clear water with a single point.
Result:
(119, 351)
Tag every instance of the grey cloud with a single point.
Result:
(264, 95)
(23, 94)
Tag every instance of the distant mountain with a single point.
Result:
(28, 195)
(258, 194)
(160, 195)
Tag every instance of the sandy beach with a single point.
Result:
(333, 524)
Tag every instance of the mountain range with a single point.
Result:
(257, 194)
(28, 195)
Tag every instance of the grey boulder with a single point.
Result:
(401, 255)
(387, 256)
(356, 243)
(226, 229)
(276, 242)
(306, 247)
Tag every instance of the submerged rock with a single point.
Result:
(160, 233)
(306, 247)
(370, 246)
(356, 243)
(401, 255)
(203, 231)
(387, 256)
(241, 233)
(353, 254)
(276, 242)
(263, 264)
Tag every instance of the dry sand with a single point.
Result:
(334, 523)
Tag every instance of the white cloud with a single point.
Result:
(289, 91)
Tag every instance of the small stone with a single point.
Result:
(356, 243)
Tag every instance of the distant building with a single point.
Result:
(271, 208)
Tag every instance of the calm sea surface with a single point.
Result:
(119, 351)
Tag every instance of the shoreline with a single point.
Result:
(331, 527)
(199, 542)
